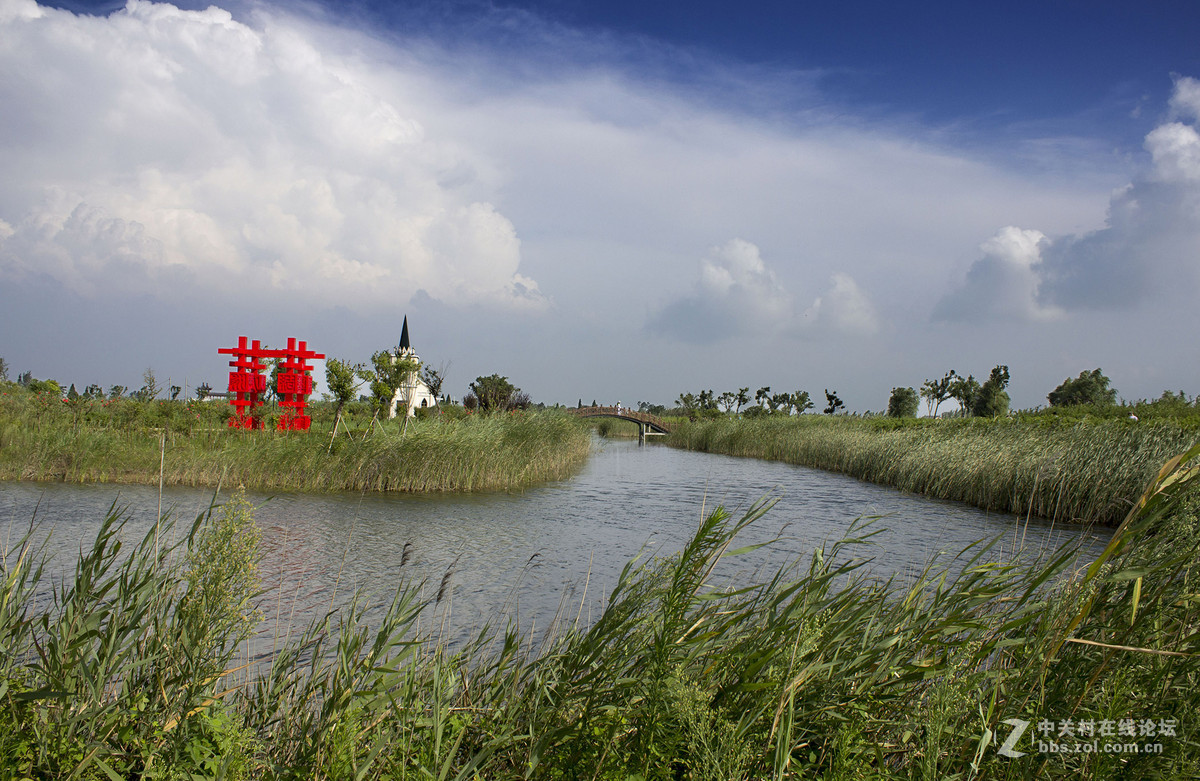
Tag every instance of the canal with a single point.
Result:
(520, 556)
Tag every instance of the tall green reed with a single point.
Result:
(1086, 472)
(478, 453)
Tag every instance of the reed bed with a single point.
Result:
(130, 669)
(476, 453)
(1081, 472)
(613, 428)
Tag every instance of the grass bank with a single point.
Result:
(127, 441)
(969, 671)
(1077, 470)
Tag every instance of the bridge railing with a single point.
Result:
(621, 412)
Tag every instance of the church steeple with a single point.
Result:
(404, 344)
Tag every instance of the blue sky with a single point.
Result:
(619, 201)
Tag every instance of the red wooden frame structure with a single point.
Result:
(247, 384)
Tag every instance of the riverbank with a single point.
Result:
(1077, 471)
(969, 669)
(132, 442)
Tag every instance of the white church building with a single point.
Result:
(413, 393)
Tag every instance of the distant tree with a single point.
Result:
(594, 404)
(24, 379)
(992, 401)
(495, 393)
(343, 379)
(434, 378)
(117, 391)
(965, 390)
(781, 402)
(3, 370)
(72, 394)
(1088, 388)
(175, 390)
(802, 402)
(470, 401)
(762, 395)
(742, 398)
(936, 391)
(150, 388)
(49, 387)
(903, 403)
(93, 391)
(580, 404)
(687, 402)
(387, 373)
(203, 390)
(726, 400)
(833, 403)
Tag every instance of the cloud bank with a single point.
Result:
(738, 295)
(1146, 249)
(160, 147)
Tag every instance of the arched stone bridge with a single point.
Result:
(648, 425)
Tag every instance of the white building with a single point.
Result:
(413, 393)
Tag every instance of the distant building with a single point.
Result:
(413, 393)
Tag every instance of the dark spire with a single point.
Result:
(404, 345)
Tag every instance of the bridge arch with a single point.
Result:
(648, 425)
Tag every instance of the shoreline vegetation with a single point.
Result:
(1073, 469)
(126, 441)
(133, 667)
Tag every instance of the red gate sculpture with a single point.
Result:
(247, 384)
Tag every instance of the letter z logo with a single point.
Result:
(1019, 727)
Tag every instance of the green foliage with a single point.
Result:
(1088, 388)
(44, 387)
(694, 669)
(965, 390)
(341, 377)
(3, 370)
(832, 403)
(150, 388)
(222, 577)
(1048, 464)
(496, 394)
(41, 437)
(653, 409)
(992, 400)
(937, 391)
(903, 403)
(434, 379)
(388, 373)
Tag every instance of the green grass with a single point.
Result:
(126, 442)
(1075, 470)
(613, 428)
(816, 671)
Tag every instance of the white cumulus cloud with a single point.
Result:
(738, 294)
(843, 308)
(1146, 249)
(159, 146)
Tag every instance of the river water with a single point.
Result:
(518, 556)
